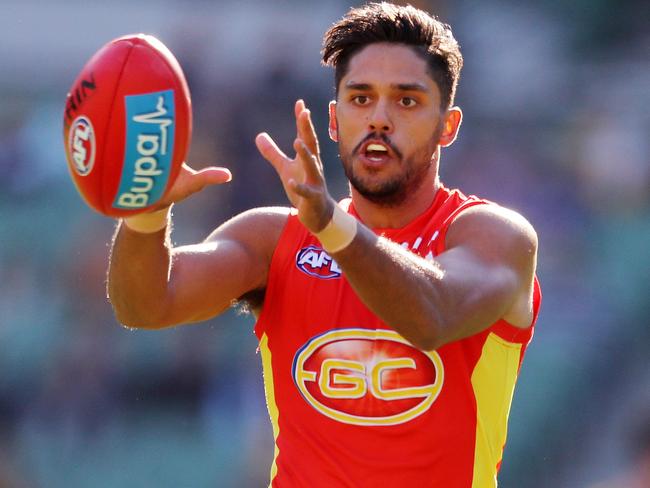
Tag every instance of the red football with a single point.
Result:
(127, 125)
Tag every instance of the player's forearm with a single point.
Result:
(401, 289)
(138, 277)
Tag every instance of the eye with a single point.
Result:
(407, 102)
(361, 99)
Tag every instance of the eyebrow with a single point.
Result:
(357, 86)
(418, 87)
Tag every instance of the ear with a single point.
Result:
(451, 125)
(333, 125)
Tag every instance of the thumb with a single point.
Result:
(190, 181)
(213, 175)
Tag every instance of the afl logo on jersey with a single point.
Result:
(315, 262)
(367, 377)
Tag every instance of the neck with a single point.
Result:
(377, 216)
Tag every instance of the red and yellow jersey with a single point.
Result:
(352, 403)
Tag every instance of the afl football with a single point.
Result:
(127, 125)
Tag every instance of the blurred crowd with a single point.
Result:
(556, 102)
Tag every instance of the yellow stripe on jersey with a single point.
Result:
(493, 381)
(269, 391)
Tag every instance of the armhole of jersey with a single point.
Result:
(278, 257)
(501, 328)
(520, 335)
(442, 233)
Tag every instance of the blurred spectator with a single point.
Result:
(636, 474)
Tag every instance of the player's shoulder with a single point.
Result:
(492, 214)
(265, 215)
(493, 225)
(261, 224)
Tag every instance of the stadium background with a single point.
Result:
(556, 125)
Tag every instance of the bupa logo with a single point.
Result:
(367, 377)
(81, 145)
(316, 262)
(149, 149)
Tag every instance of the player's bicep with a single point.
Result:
(488, 268)
(478, 293)
(206, 278)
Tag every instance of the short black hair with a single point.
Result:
(386, 22)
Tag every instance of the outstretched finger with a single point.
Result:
(198, 180)
(304, 190)
(298, 107)
(189, 177)
(271, 152)
(309, 161)
(306, 130)
(190, 181)
(214, 175)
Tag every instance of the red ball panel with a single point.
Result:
(91, 97)
(130, 102)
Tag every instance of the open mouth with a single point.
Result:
(376, 152)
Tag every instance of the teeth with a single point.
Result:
(376, 147)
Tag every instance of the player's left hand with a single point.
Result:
(302, 176)
(190, 181)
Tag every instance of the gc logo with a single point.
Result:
(367, 377)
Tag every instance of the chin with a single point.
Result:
(389, 194)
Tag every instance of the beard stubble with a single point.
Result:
(396, 190)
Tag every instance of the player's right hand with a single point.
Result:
(190, 181)
(302, 176)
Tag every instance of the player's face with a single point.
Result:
(387, 121)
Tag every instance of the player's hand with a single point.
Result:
(190, 181)
(302, 176)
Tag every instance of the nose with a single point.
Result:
(379, 120)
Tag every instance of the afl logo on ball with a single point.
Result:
(367, 377)
(81, 145)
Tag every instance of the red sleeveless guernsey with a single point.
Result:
(352, 403)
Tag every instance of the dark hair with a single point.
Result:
(386, 22)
